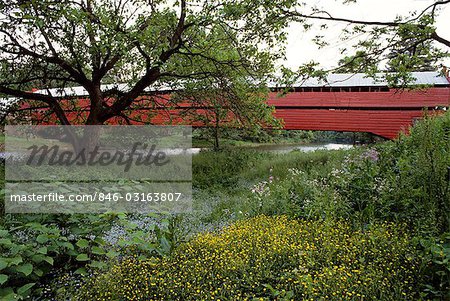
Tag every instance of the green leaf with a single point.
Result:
(3, 278)
(142, 257)
(72, 253)
(15, 260)
(68, 245)
(38, 272)
(112, 254)
(48, 259)
(123, 243)
(38, 258)
(82, 257)
(5, 242)
(23, 289)
(26, 269)
(165, 245)
(81, 271)
(3, 263)
(99, 240)
(42, 250)
(82, 243)
(138, 240)
(98, 250)
(98, 264)
(43, 238)
(8, 295)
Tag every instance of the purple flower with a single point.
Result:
(371, 154)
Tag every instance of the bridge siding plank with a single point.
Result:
(393, 98)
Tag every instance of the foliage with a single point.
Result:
(22, 263)
(290, 195)
(245, 166)
(437, 254)
(395, 181)
(36, 246)
(117, 49)
(417, 169)
(222, 168)
(2, 185)
(272, 258)
(359, 62)
(407, 43)
(230, 103)
(337, 187)
(247, 137)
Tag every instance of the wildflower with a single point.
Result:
(308, 258)
(371, 154)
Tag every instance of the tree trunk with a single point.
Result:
(91, 137)
(216, 133)
(91, 133)
(216, 138)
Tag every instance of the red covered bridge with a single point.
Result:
(345, 102)
(355, 103)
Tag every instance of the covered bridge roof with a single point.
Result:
(362, 80)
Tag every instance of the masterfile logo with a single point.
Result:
(88, 169)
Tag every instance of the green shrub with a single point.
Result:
(406, 180)
(437, 273)
(272, 258)
(419, 176)
(222, 168)
(22, 262)
(298, 195)
(34, 246)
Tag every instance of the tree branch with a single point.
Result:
(50, 100)
(329, 17)
(152, 74)
(77, 75)
(440, 39)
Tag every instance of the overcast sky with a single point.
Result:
(300, 49)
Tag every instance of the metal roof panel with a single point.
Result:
(362, 80)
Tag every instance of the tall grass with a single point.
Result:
(228, 168)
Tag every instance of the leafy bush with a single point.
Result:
(222, 168)
(23, 262)
(396, 181)
(31, 246)
(417, 169)
(35, 246)
(400, 180)
(297, 195)
(272, 258)
(437, 254)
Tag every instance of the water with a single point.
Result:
(273, 148)
(286, 148)
(279, 148)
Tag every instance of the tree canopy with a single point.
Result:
(161, 43)
(407, 43)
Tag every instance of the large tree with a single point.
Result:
(142, 43)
